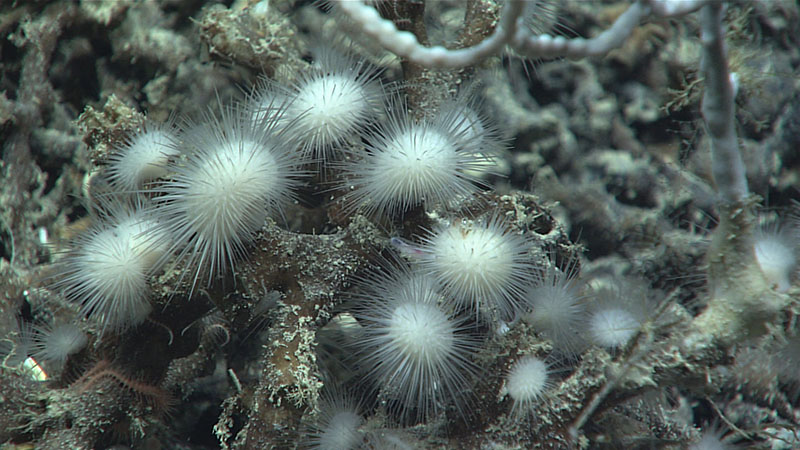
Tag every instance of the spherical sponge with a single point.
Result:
(483, 265)
(416, 349)
(409, 162)
(617, 313)
(106, 268)
(142, 157)
(55, 343)
(335, 424)
(527, 382)
(557, 309)
(234, 175)
(327, 104)
(612, 327)
(776, 252)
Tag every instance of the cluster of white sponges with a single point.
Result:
(564, 310)
(420, 321)
(205, 188)
(220, 178)
(196, 195)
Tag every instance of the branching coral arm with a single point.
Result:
(718, 108)
(406, 45)
(508, 32)
(545, 46)
(673, 8)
